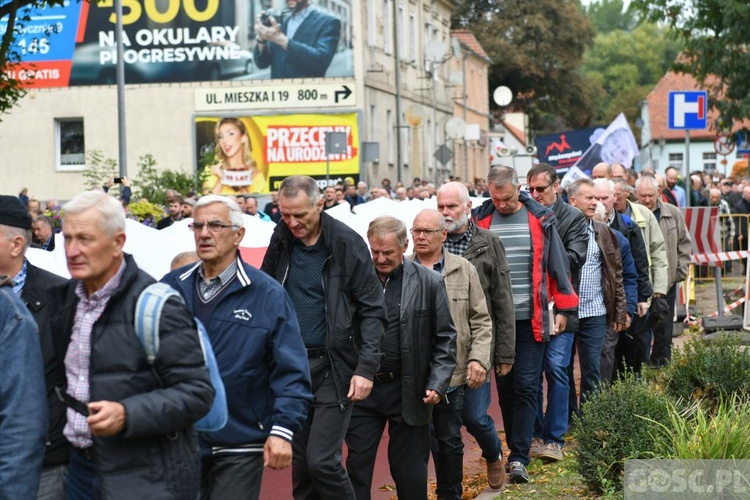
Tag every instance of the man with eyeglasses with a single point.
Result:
(542, 294)
(473, 345)
(256, 339)
(419, 355)
(327, 270)
(551, 425)
(486, 252)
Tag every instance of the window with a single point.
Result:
(371, 31)
(412, 38)
(70, 151)
(389, 135)
(709, 162)
(675, 160)
(388, 27)
(401, 26)
(373, 123)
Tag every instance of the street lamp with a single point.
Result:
(414, 117)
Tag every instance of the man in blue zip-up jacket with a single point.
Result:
(261, 357)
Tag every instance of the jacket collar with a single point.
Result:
(242, 276)
(451, 263)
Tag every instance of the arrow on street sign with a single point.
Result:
(346, 93)
(443, 154)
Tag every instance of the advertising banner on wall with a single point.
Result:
(280, 146)
(183, 41)
(562, 150)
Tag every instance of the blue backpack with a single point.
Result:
(148, 315)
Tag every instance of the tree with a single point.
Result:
(626, 66)
(11, 89)
(536, 49)
(610, 15)
(714, 35)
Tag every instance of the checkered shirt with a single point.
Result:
(591, 293)
(460, 245)
(77, 359)
(208, 289)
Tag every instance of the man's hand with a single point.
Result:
(431, 397)
(359, 388)
(503, 369)
(619, 327)
(125, 182)
(642, 309)
(561, 321)
(628, 321)
(107, 418)
(271, 33)
(475, 374)
(277, 453)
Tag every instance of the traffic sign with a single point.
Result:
(688, 110)
(743, 144)
(443, 154)
(293, 96)
(723, 145)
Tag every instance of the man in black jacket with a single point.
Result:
(328, 272)
(419, 356)
(627, 348)
(31, 284)
(551, 425)
(132, 429)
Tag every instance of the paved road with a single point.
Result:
(277, 485)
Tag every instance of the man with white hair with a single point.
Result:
(259, 350)
(629, 229)
(468, 309)
(487, 253)
(132, 425)
(658, 267)
(362, 191)
(678, 248)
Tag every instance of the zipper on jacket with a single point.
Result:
(329, 335)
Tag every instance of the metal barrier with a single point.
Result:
(720, 256)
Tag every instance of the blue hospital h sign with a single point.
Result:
(688, 110)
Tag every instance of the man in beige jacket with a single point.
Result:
(474, 344)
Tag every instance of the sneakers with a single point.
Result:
(537, 445)
(496, 473)
(518, 473)
(552, 452)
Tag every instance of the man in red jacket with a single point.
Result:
(540, 277)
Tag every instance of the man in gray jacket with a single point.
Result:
(487, 253)
(419, 357)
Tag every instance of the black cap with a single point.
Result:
(13, 213)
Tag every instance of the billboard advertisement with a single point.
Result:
(184, 40)
(562, 150)
(274, 147)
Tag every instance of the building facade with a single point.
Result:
(52, 129)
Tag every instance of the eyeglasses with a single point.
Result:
(416, 231)
(531, 189)
(213, 226)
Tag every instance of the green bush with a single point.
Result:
(707, 370)
(612, 431)
(152, 184)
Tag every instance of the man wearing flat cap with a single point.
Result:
(30, 284)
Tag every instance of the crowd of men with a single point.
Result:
(331, 340)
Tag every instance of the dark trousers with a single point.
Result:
(83, 480)
(317, 471)
(231, 476)
(448, 445)
(661, 352)
(517, 392)
(607, 364)
(408, 445)
(633, 347)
